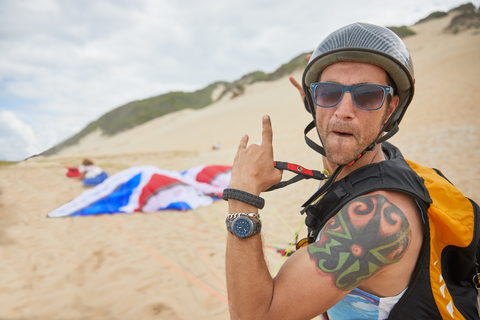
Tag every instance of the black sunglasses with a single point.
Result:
(365, 96)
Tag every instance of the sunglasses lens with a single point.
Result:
(368, 97)
(327, 94)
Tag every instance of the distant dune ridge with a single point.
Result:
(138, 112)
(170, 264)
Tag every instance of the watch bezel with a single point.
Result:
(256, 225)
(250, 221)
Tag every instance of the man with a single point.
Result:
(366, 251)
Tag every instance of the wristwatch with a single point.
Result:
(242, 224)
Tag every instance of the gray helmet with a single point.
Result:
(363, 42)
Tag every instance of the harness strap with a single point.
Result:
(323, 189)
(300, 170)
(301, 173)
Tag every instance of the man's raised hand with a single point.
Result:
(298, 85)
(253, 168)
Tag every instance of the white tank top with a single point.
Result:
(359, 305)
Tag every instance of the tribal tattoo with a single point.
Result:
(367, 234)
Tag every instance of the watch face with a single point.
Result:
(242, 227)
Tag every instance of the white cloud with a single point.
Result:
(80, 59)
(17, 140)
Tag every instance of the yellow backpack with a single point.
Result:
(445, 281)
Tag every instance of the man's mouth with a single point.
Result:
(343, 134)
(342, 130)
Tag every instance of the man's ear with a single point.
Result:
(393, 105)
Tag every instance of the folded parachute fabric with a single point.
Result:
(217, 176)
(148, 189)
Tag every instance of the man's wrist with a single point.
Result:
(238, 206)
(244, 187)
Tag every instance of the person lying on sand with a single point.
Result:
(90, 174)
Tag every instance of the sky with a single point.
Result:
(65, 63)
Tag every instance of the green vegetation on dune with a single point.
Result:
(433, 15)
(7, 163)
(402, 31)
(468, 18)
(467, 8)
(287, 68)
(464, 21)
(138, 112)
(237, 87)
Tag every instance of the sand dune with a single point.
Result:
(170, 265)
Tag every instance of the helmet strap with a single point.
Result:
(310, 142)
(321, 150)
(378, 140)
(389, 134)
(323, 189)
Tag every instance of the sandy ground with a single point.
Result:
(170, 265)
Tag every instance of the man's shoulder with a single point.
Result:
(367, 235)
(387, 206)
(400, 199)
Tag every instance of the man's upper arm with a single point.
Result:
(367, 234)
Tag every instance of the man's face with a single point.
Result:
(344, 129)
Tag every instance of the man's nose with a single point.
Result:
(345, 108)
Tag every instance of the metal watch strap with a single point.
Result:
(235, 215)
(244, 197)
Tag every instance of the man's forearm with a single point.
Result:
(249, 283)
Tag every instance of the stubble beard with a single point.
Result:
(339, 152)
